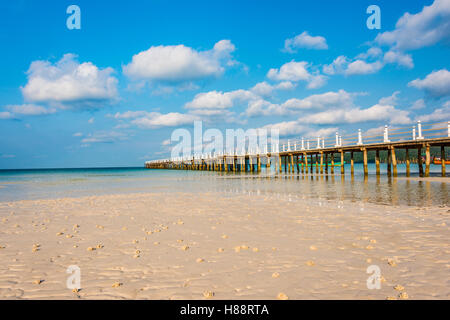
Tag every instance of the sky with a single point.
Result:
(112, 92)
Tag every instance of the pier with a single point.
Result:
(325, 155)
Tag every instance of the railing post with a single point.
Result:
(414, 132)
(386, 134)
(337, 140)
(295, 146)
(323, 143)
(318, 142)
(289, 145)
(359, 137)
(303, 141)
(340, 141)
(448, 129)
(307, 144)
(419, 130)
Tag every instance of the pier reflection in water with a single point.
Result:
(38, 184)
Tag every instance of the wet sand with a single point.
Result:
(218, 246)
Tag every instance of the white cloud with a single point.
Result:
(104, 137)
(304, 40)
(287, 128)
(438, 114)
(415, 31)
(156, 120)
(375, 113)
(391, 100)
(91, 120)
(67, 84)
(77, 134)
(418, 104)
(297, 71)
(338, 66)
(180, 63)
(363, 67)
(6, 115)
(399, 58)
(436, 84)
(29, 110)
(339, 99)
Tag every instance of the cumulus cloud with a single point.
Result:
(6, 115)
(438, 114)
(265, 89)
(305, 40)
(399, 58)
(69, 84)
(436, 84)
(374, 113)
(341, 99)
(104, 137)
(297, 71)
(153, 120)
(391, 100)
(29, 110)
(418, 104)
(363, 67)
(180, 63)
(415, 31)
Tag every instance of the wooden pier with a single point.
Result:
(298, 157)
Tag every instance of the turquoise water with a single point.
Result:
(57, 183)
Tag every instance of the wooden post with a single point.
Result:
(268, 164)
(297, 162)
(306, 163)
(408, 171)
(342, 162)
(394, 161)
(366, 168)
(292, 163)
(427, 160)
(352, 164)
(332, 163)
(377, 161)
(326, 163)
(389, 160)
(279, 163)
(258, 161)
(317, 163)
(312, 164)
(443, 160)
(303, 163)
(419, 161)
(225, 163)
(250, 164)
(321, 162)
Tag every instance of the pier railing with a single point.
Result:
(419, 136)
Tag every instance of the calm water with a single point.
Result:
(54, 183)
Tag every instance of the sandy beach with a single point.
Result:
(219, 246)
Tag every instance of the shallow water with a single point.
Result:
(57, 183)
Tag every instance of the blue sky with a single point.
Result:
(111, 93)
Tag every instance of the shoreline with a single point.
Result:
(217, 246)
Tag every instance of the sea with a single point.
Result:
(78, 182)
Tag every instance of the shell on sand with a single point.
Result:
(392, 263)
(180, 221)
(100, 227)
(69, 236)
(60, 233)
(75, 226)
(2, 247)
(179, 240)
(403, 295)
(208, 294)
(137, 251)
(184, 248)
(39, 281)
(220, 250)
(75, 290)
(99, 246)
(90, 249)
(282, 296)
(369, 247)
(391, 298)
(310, 263)
(255, 249)
(199, 260)
(224, 236)
(313, 248)
(156, 243)
(116, 284)
(399, 287)
(275, 275)
(237, 249)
